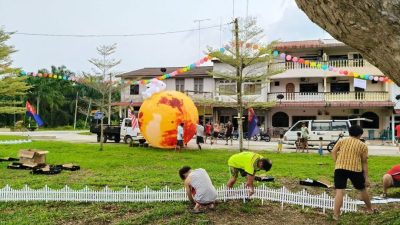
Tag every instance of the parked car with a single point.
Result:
(329, 130)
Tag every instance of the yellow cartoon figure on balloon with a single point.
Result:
(162, 112)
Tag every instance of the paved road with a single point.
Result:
(375, 148)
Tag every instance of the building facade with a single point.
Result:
(298, 92)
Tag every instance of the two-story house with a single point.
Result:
(299, 92)
(302, 92)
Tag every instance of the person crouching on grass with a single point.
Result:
(199, 188)
(351, 162)
(247, 164)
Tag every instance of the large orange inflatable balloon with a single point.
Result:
(160, 115)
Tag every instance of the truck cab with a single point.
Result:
(128, 133)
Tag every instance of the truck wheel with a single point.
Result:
(117, 139)
(98, 138)
(128, 139)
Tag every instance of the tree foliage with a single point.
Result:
(247, 59)
(12, 88)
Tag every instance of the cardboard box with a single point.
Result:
(32, 156)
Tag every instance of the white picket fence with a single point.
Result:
(263, 193)
(13, 142)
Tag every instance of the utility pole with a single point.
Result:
(76, 108)
(239, 84)
(199, 22)
(109, 101)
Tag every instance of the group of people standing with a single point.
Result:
(212, 131)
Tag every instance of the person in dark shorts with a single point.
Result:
(391, 179)
(200, 134)
(215, 133)
(179, 137)
(351, 162)
(247, 164)
(228, 133)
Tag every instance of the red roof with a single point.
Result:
(308, 44)
(126, 104)
(201, 71)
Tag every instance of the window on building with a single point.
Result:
(134, 89)
(340, 87)
(198, 85)
(224, 119)
(309, 87)
(277, 83)
(370, 125)
(180, 85)
(226, 87)
(252, 88)
(280, 119)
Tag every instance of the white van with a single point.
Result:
(329, 130)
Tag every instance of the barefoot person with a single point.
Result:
(351, 162)
(391, 179)
(199, 188)
(247, 164)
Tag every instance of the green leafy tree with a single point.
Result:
(248, 59)
(12, 88)
(53, 98)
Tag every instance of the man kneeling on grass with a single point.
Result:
(199, 188)
(391, 179)
(247, 164)
(351, 162)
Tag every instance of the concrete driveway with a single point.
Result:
(375, 147)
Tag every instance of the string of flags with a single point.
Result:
(325, 67)
(144, 81)
(275, 53)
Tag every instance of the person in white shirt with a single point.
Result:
(179, 137)
(199, 188)
(200, 134)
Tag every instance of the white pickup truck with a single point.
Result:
(116, 133)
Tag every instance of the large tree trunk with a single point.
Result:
(370, 26)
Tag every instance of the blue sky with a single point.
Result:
(280, 19)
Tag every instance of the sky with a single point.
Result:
(280, 19)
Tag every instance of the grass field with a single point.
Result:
(119, 166)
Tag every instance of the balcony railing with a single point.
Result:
(328, 96)
(334, 63)
(199, 94)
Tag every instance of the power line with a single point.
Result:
(113, 35)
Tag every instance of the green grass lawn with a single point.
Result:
(119, 166)
(10, 137)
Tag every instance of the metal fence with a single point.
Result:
(263, 193)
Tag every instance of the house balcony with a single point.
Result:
(350, 99)
(360, 66)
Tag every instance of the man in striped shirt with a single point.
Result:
(351, 162)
